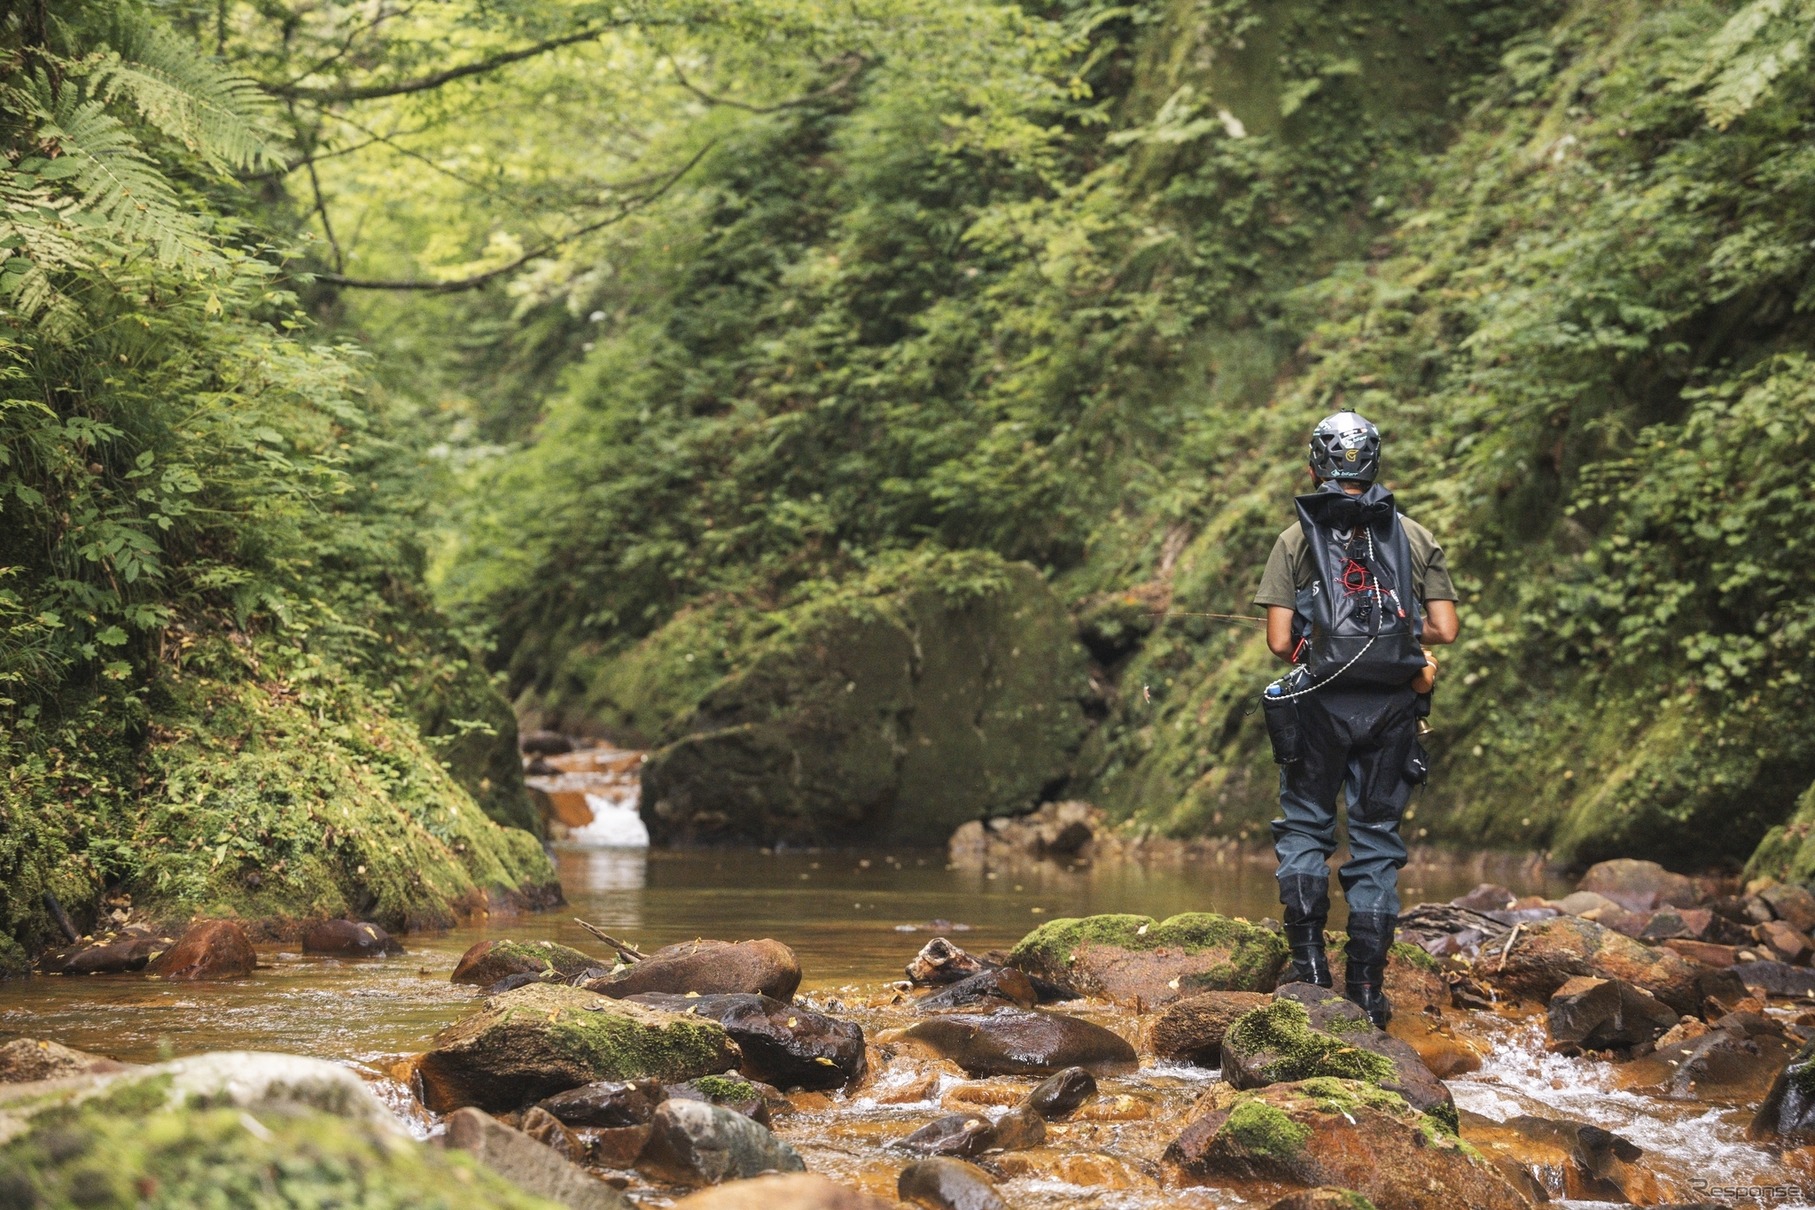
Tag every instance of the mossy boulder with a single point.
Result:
(1123, 957)
(1285, 1041)
(886, 712)
(1344, 1133)
(541, 1039)
(486, 962)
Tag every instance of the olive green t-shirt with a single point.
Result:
(1289, 567)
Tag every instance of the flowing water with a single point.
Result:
(854, 918)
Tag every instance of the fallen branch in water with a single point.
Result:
(626, 951)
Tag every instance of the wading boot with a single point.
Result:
(1307, 903)
(1370, 937)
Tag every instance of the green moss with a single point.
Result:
(106, 1156)
(1264, 1130)
(1415, 956)
(1337, 1095)
(543, 955)
(619, 1046)
(1282, 1030)
(726, 1089)
(1255, 952)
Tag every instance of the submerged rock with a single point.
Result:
(783, 1045)
(529, 1043)
(948, 1184)
(1060, 1095)
(527, 1163)
(1345, 1134)
(208, 949)
(1191, 1030)
(952, 1134)
(348, 939)
(1310, 1032)
(131, 949)
(764, 968)
(1605, 1014)
(799, 1191)
(1547, 953)
(1156, 962)
(1019, 1129)
(698, 1143)
(488, 962)
(1020, 1042)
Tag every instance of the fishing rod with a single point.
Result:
(1226, 617)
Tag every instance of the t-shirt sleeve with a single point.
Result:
(1276, 586)
(1437, 584)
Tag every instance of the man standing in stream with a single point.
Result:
(1354, 593)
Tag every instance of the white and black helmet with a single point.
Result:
(1345, 446)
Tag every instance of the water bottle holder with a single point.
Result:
(1282, 729)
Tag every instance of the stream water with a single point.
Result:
(854, 918)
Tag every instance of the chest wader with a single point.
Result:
(1345, 714)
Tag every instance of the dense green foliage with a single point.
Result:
(214, 646)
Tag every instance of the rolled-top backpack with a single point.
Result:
(1359, 616)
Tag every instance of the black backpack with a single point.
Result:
(1359, 619)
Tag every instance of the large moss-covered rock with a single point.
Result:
(1289, 1040)
(541, 1039)
(1126, 957)
(894, 714)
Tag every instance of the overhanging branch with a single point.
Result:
(372, 92)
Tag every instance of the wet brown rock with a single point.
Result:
(1060, 1095)
(348, 939)
(987, 989)
(764, 968)
(1640, 886)
(1705, 952)
(613, 1146)
(609, 1103)
(953, 1134)
(1153, 962)
(1565, 1159)
(1667, 923)
(1605, 1014)
(1021, 1042)
(1792, 904)
(1788, 1110)
(1446, 1054)
(1488, 897)
(208, 949)
(783, 1045)
(1725, 1066)
(748, 1097)
(131, 949)
(1785, 942)
(1191, 1030)
(25, 1060)
(1777, 978)
(528, 1164)
(940, 962)
(948, 1184)
(1547, 953)
(488, 962)
(698, 1143)
(797, 1191)
(1344, 1134)
(1326, 1197)
(548, 1130)
(530, 1043)
(1019, 1129)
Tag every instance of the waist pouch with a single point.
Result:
(1417, 765)
(1282, 728)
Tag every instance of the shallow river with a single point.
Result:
(854, 918)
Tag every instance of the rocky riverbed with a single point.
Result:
(1641, 1040)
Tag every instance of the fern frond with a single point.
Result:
(222, 117)
(1740, 64)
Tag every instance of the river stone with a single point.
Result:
(1640, 886)
(1191, 1030)
(1310, 1032)
(952, 1134)
(797, 1191)
(607, 1103)
(1121, 957)
(551, 1132)
(1547, 953)
(1729, 1065)
(940, 962)
(1019, 1129)
(1788, 1110)
(528, 1164)
(131, 949)
(545, 1038)
(987, 989)
(487, 962)
(1605, 1014)
(1340, 1133)
(733, 1092)
(1060, 1095)
(1016, 1042)
(348, 939)
(1592, 1164)
(698, 1143)
(1777, 978)
(782, 1045)
(1325, 1197)
(764, 968)
(1792, 904)
(27, 1060)
(948, 1184)
(208, 949)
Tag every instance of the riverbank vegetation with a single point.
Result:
(667, 347)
